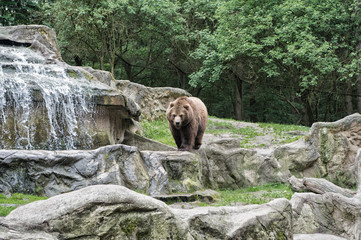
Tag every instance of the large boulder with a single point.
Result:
(330, 213)
(114, 212)
(153, 101)
(334, 211)
(328, 151)
(225, 164)
(51, 173)
(38, 37)
(97, 212)
(268, 221)
(337, 144)
(173, 172)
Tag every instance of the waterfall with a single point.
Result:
(42, 106)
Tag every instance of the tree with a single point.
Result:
(130, 33)
(15, 12)
(302, 51)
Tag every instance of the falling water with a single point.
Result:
(42, 105)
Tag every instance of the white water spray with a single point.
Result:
(38, 99)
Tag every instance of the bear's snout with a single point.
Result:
(177, 122)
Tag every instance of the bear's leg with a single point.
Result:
(199, 137)
(177, 136)
(198, 141)
(188, 138)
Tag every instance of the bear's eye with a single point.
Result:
(181, 116)
(174, 115)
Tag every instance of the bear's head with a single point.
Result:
(179, 113)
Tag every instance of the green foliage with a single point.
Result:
(128, 35)
(300, 52)
(15, 12)
(16, 199)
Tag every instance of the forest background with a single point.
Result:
(289, 61)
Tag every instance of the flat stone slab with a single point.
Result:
(208, 196)
(316, 236)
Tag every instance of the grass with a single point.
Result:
(283, 130)
(254, 195)
(215, 127)
(16, 199)
(158, 130)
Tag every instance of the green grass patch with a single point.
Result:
(284, 131)
(4, 211)
(254, 195)
(158, 130)
(18, 199)
(219, 127)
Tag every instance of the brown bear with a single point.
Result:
(187, 117)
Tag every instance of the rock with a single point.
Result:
(103, 211)
(115, 212)
(337, 144)
(298, 157)
(268, 221)
(328, 151)
(329, 213)
(335, 211)
(316, 236)
(208, 196)
(226, 165)
(172, 172)
(153, 101)
(318, 185)
(102, 76)
(39, 37)
(51, 173)
(358, 170)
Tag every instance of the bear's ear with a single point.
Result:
(186, 107)
(171, 104)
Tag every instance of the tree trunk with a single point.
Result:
(358, 86)
(182, 77)
(308, 108)
(348, 99)
(128, 69)
(358, 47)
(78, 61)
(252, 104)
(101, 63)
(238, 108)
(181, 74)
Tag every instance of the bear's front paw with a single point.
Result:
(184, 148)
(197, 146)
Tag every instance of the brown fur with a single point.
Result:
(187, 117)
